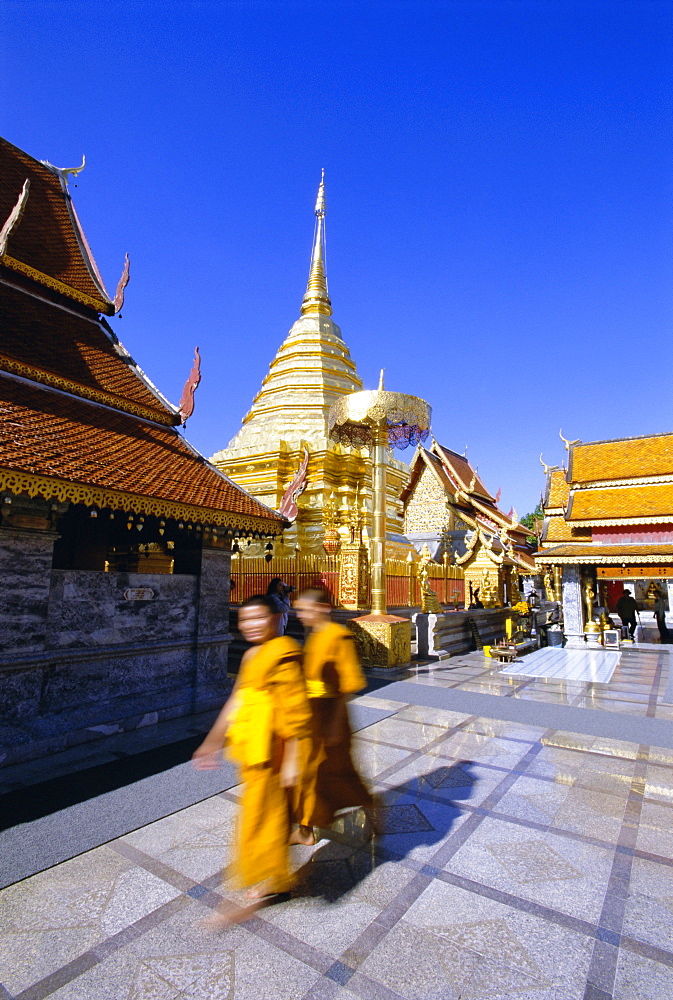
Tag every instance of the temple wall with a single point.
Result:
(87, 608)
(426, 509)
(25, 565)
(97, 653)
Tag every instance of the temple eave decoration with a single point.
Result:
(33, 485)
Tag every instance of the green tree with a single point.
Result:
(534, 522)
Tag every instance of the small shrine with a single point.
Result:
(449, 513)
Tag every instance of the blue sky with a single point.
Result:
(499, 199)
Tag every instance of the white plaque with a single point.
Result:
(138, 593)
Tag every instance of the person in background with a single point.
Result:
(660, 616)
(266, 727)
(279, 595)
(333, 674)
(626, 609)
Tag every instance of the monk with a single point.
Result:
(333, 674)
(265, 725)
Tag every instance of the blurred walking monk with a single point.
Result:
(332, 672)
(265, 725)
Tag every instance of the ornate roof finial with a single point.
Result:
(381, 386)
(316, 298)
(65, 172)
(566, 442)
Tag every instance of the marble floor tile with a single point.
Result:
(649, 906)
(655, 831)
(434, 716)
(500, 727)
(659, 785)
(558, 872)
(534, 799)
(592, 813)
(178, 960)
(412, 735)
(457, 781)
(472, 746)
(640, 978)
(329, 926)
(415, 830)
(50, 919)
(373, 701)
(373, 758)
(451, 943)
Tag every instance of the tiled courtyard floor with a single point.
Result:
(518, 862)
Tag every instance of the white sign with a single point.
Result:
(138, 593)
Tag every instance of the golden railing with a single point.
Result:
(253, 575)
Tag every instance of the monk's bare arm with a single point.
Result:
(206, 756)
(289, 768)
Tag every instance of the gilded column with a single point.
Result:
(379, 445)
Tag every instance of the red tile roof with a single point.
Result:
(462, 470)
(47, 243)
(45, 433)
(38, 339)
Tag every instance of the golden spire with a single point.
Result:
(316, 297)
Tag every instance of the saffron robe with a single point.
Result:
(330, 781)
(270, 707)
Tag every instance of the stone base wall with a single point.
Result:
(118, 651)
(55, 701)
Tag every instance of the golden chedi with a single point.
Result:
(288, 418)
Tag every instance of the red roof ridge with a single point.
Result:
(48, 244)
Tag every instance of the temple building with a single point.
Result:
(115, 533)
(608, 523)
(283, 449)
(448, 509)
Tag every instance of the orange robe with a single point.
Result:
(330, 781)
(270, 708)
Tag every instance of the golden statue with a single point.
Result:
(589, 597)
(429, 600)
(487, 592)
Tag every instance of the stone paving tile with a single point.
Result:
(328, 927)
(373, 758)
(648, 915)
(481, 749)
(452, 781)
(50, 919)
(640, 978)
(453, 943)
(434, 716)
(510, 730)
(178, 960)
(655, 831)
(185, 846)
(411, 735)
(557, 872)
